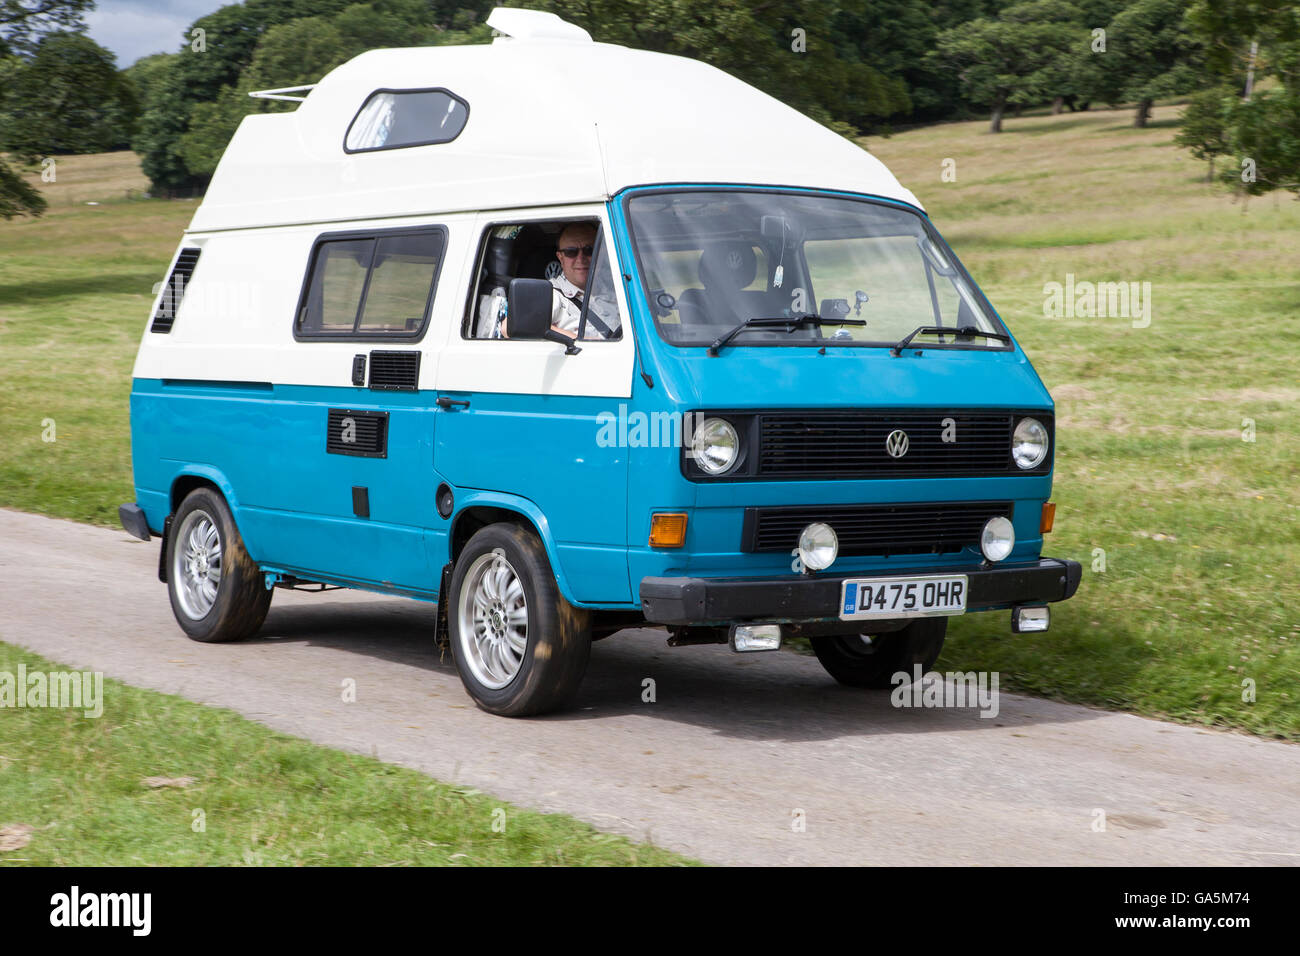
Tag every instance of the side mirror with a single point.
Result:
(528, 304)
(528, 313)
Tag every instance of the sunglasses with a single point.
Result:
(570, 252)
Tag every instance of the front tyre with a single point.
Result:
(519, 646)
(868, 660)
(216, 590)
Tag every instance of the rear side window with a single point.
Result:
(374, 286)
(391, 119)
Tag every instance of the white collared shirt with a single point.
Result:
(566, 313)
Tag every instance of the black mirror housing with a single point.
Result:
(528, 304)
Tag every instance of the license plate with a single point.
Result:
(863, 598)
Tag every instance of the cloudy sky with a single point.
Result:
(136, 28)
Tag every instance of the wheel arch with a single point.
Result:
(480, 509)
(199, 476)
(194, 476)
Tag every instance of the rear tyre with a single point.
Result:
(873, 660)
(519, 646)
(216, 590)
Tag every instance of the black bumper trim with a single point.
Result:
(817, 597)
(134, 521)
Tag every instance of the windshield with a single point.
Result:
(712, 260)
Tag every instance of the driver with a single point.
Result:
(574, 248)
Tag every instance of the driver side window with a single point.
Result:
(531, 250)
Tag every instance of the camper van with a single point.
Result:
(569, 338)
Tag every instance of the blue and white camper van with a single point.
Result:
(783, 408)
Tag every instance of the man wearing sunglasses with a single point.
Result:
(575, 248)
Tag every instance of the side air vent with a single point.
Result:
(174, 291)
(395, 371)
(364, 434)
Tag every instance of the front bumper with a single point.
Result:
(816, 597)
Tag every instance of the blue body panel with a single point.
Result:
(264, 446)
(688, 379)
(544, 449)
(291, 500)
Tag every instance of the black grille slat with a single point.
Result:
(852, 445)
(395, 371)
(368, 431)
(875, 530)
(174, 291)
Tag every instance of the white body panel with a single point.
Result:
(556, 125)
(235, 322)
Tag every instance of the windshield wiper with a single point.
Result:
(965, 331)
(789, 323)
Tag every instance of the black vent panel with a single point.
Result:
(876, 530)
(174, 290)
(940, 444)
(360, 433)
(395, 371)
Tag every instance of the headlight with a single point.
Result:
(818, 546)
(997, 539)
(715, 446)
(1029, 443)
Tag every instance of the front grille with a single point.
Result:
(876, 530)
(941, 444)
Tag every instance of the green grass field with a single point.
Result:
(77, 788)
(1197, 528)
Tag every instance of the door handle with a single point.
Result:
(444, 402)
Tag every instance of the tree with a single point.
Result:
(1264, 132)
(753, 40)
(23, 22)
(162, 123)
(1150, 53)
(69, 98)
(1262, 129)
(1204, 126)
(17, 197)
(895, 38)
(1017, 59)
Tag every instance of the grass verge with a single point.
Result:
(264, 798)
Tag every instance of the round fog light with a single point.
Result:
(997, 539)
(818, 546)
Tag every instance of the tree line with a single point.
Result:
(859, 66)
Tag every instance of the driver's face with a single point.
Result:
(577, 267)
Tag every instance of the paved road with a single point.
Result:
(715, 768)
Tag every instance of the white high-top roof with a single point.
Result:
(553, 118)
